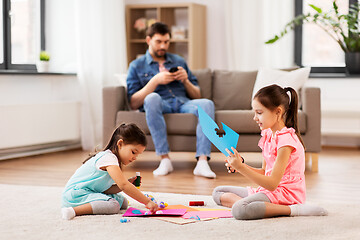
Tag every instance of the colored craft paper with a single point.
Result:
(207, 214)
(209, 209)
(209, 126)
(181, 207)
(133, 212)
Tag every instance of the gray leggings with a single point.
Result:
(247, 208)
(110, 206)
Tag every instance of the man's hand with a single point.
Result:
(180, 75)
(164, 78)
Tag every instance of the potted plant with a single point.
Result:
(343, 28)
(43, 64)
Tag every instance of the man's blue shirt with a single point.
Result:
(144, 68)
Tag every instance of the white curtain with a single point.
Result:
(101, 46)
(248, 25)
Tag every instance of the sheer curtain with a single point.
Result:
(248, 25)
(101, 51)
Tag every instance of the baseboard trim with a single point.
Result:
(38, 149)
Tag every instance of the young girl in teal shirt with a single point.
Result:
(95, 187)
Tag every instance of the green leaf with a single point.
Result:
(335, 6)
(272, 40)
(44, 56)
(319, 10)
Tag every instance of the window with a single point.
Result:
(313, 47)
(22, 26)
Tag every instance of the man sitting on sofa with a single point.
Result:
(160, 82)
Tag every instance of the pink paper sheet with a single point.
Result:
(134, 212)
(207, 214)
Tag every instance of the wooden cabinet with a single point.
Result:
(186, 21)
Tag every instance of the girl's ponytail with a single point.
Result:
(291, 117)
(292, 113)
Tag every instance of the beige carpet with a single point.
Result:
(33, 212)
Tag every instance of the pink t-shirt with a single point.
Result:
(291, 189)
(162, 68)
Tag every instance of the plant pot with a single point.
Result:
(352, 61)
(42, 66)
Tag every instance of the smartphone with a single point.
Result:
(173, 69)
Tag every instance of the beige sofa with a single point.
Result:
(231, 92)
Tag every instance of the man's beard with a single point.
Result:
(160, 53)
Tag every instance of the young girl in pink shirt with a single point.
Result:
(281, 180)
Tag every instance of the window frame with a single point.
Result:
(298, 44)
(7, 63)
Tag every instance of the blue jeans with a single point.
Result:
(155, 107)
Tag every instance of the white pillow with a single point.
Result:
(295, 79)
(121, 79)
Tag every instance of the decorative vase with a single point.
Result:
(352, 61)
(42, 66)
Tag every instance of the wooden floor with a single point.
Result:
(338, 178)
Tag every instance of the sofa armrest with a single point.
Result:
(311, 105)
(114, 100)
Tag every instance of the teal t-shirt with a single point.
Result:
(88, 184)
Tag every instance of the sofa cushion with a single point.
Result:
(176, 123)
(232, 89)
(136, 117)
(204, 77)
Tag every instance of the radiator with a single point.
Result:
(35, 126)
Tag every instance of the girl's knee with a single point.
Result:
(216, 194)
(105, 207)
(114, 206)
(217, 189)
(243, 210)
(239, 211)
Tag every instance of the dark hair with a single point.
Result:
(129, 133)
(274, 96)
(158, 27)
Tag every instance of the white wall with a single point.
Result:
(33, 89)
(340, 110)
(38, 109)
(216, 54)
